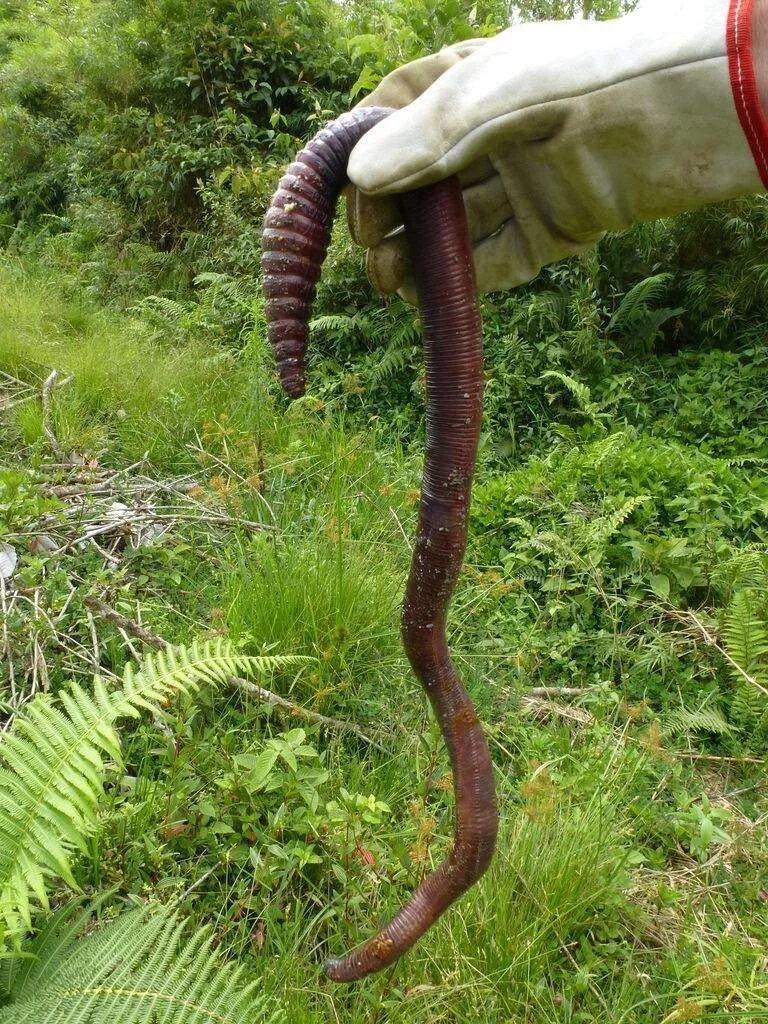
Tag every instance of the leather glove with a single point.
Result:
(561, 131)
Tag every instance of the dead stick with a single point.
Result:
(715, 758)
(557, 691)
(159, 643)
(4, 607)
(47, 419)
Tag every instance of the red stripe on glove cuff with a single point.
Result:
(744, 82)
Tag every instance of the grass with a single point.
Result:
(613, 898)
(129, 392)
(333, 602)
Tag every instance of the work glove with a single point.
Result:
(561, 131)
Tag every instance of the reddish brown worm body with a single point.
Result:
(296, 236)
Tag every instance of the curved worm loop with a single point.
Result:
(438, 237)
(297, 231)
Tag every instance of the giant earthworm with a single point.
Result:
(296, 237)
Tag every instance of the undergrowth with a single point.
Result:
(611, 621)
(610, 624)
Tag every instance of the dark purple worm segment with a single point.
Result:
(297, 231)
(441, 254)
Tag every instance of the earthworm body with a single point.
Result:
(296, 236)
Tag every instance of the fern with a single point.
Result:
(604, 452)
(635, 305)
(393, 326)
(701, 720)
(746, 638)
(635, 315)
(548, 310)
(402, 335)
(580, 391)
(749, 710)
(393, 360)
(136, 969)
(746, 635)
(601, 529)
(747, 569)
(52, 766)
(335, 323)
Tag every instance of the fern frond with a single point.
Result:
(52, 766)
(393, 360)
(51, 773)
(185, 669)
(136, 969)
(635, 305)
(746, 634)
(161, 307)
(548, 308)
(749, 709)
(580, 391)
(747, 569)
(603, 528)
(702, 720)
(334, 323)
(603, 452)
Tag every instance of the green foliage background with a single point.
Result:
(619, 544)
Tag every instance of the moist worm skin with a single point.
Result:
(438, 238)
(297, 230)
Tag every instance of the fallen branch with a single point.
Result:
(556, 691)
(51, 379)
(688, 755)
(548, 708)
(159, 643)
(296, 709)
(7, 649)
(129, 625)
(14, 391)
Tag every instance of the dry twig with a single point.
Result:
(50, 381)
(159, 643)
(548, 708)
(8, 653)
(557, 691)
(689, 755)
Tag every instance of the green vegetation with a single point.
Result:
(215, 767)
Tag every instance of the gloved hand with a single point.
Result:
(561, 131)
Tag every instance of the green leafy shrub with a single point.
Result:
(592, 540)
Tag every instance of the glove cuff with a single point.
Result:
(744, 82)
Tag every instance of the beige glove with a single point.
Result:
(561, 131)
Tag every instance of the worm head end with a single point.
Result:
(330, 969)
(339, 971)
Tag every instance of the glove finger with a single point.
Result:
(387, 261)
(388, 264)
(487, 207)
(371, 218)
(408, 292)
(504, 260)
(401, 86)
